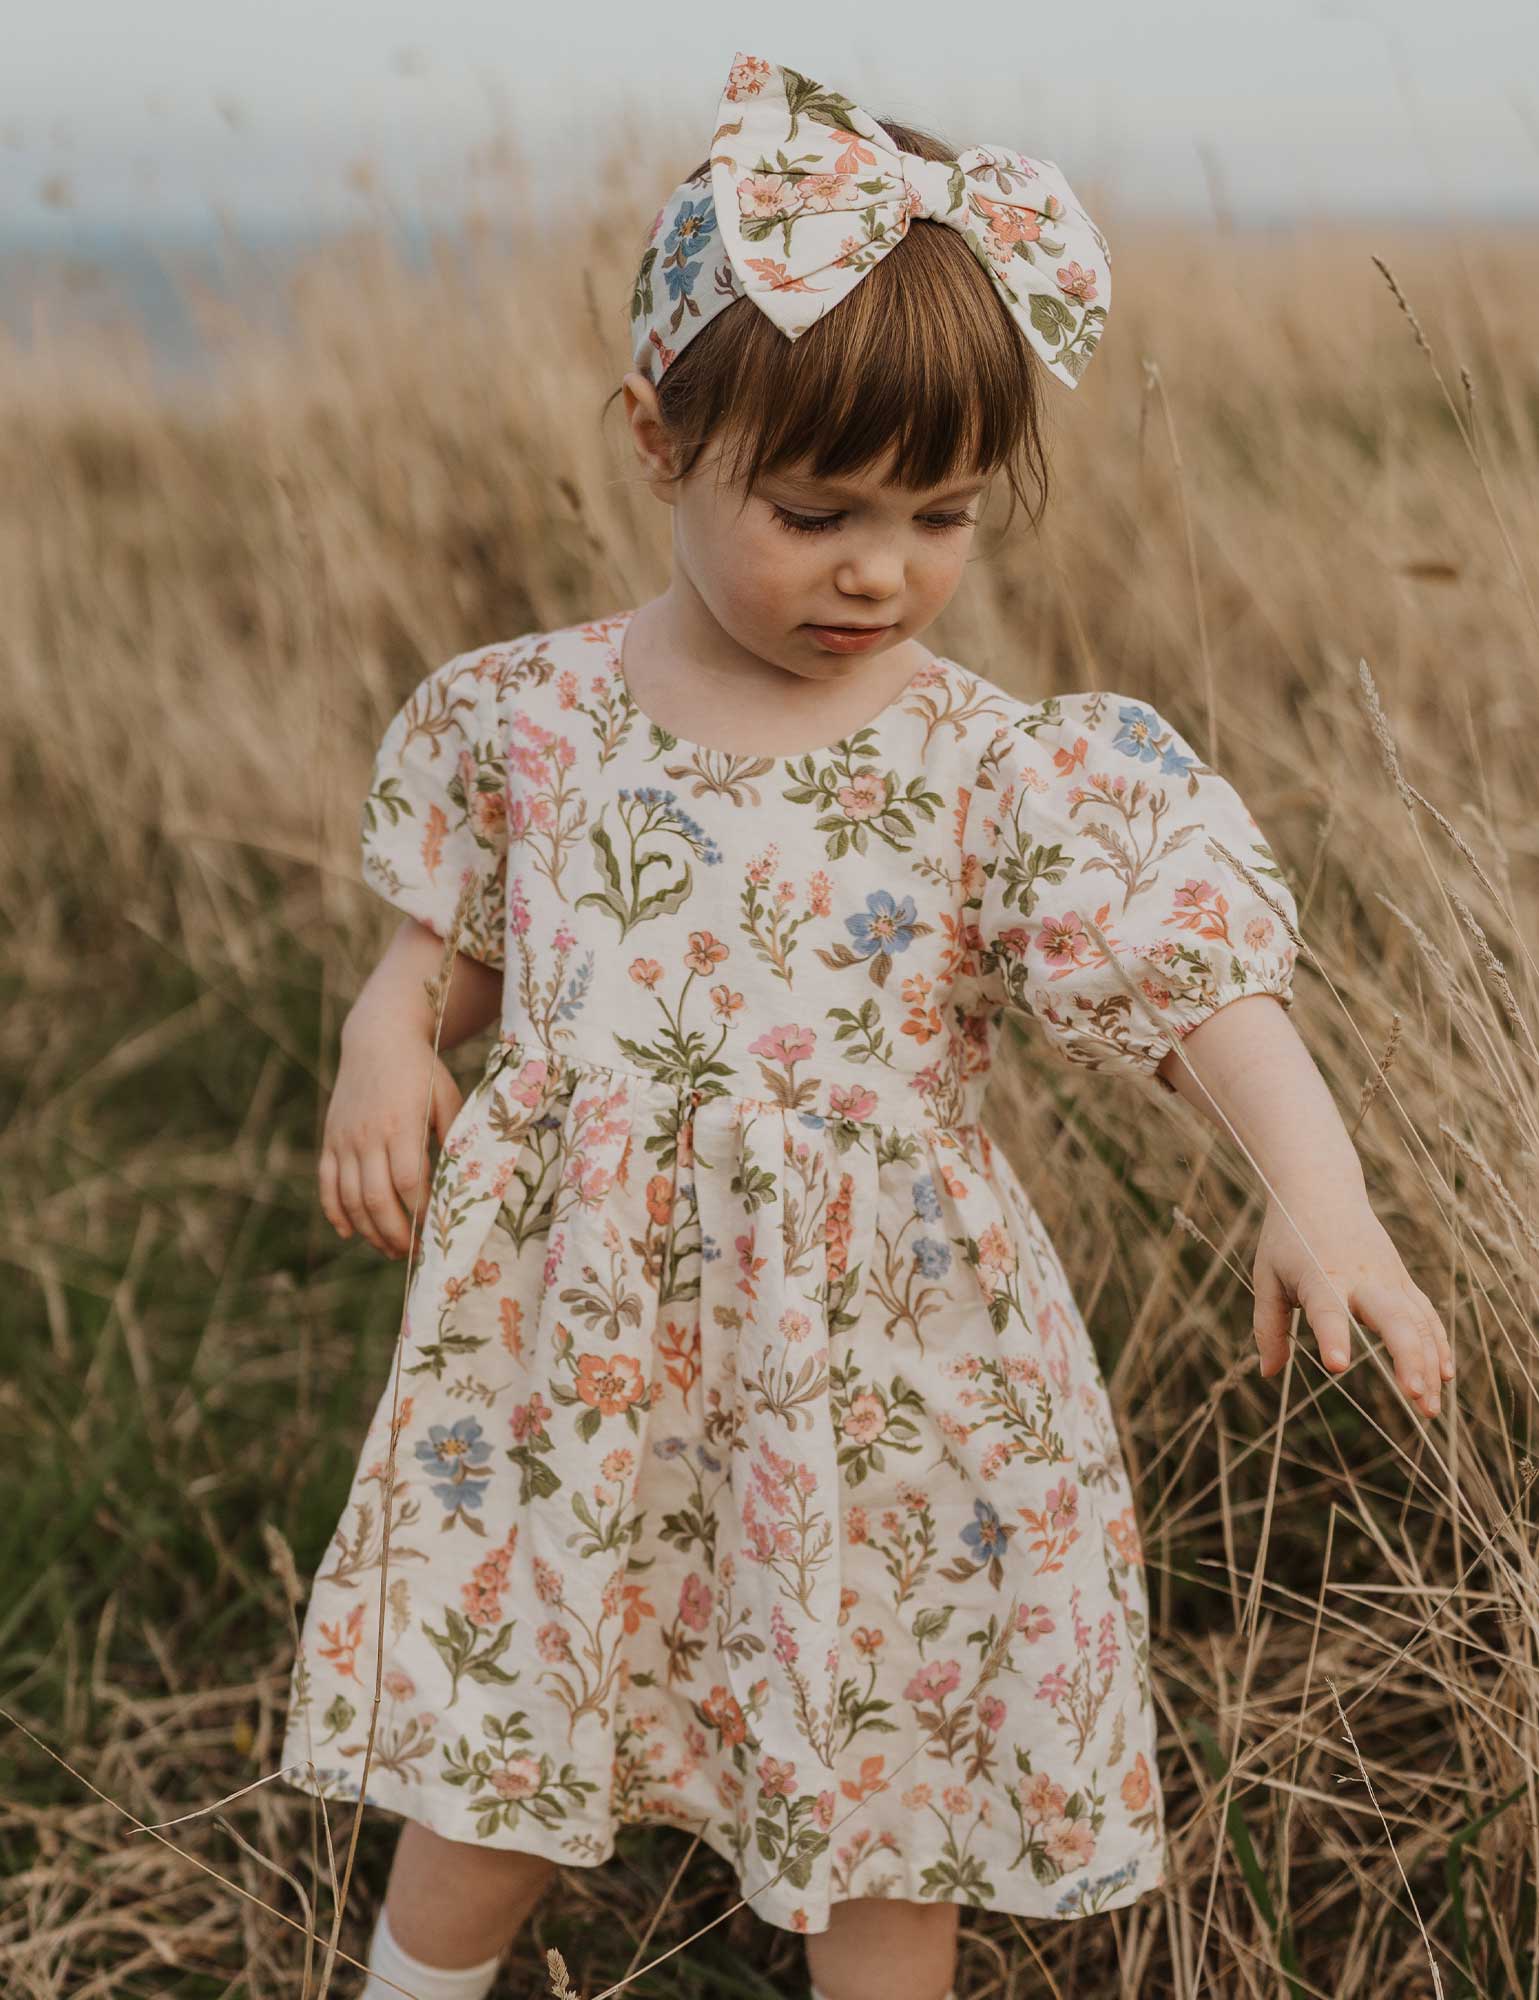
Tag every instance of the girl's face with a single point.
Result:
(795, 553)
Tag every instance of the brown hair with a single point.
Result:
(921, 356)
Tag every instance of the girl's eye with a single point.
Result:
(814, 524)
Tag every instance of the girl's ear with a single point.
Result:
(649, 434)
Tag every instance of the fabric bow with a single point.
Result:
(808, 193)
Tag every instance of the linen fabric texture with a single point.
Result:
(754, 1472)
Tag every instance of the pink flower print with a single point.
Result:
(1070, 1843)
(855, 1101)
(553, 1255)
(695, 1598)
(794, 1325)
(865, 1419)
(1200, 907)
(787, 1045)
(761, 195)
(1258, 933)
(1108, 1649)
(820, 894)
(566, 683)
(517, 1779)
(762, 867)
(547, 1582)
(1065, 943)
(934, 1681)
(725, 1002)
(616, 1464)
(1077, 282)
(785, 893)
(1062, 1504)
(776, 1780)
(916, 1798)
(1034, 1621)
(1053, 1687)
(399, 1686)
(914, 1498)
(1040, 1798)
(553, 1642)
(856, 1527)
(786, 1648)
(957, 1799)
(489, 813)
(529, 1085)
(996, 1253)
(823, 1811)
(991, 1712)
(867, 1641)
(864, 796)
(821, 193)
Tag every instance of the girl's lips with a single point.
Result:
(847, 638)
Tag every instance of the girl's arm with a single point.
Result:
(394, 996)
(1333, 1256)
(372, 1152)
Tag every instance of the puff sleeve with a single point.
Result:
(1094, 806)
(436, 811)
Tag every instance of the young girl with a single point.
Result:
(752, 1469)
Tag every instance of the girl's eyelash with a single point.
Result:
(802, 524)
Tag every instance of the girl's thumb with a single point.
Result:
(447, 1099)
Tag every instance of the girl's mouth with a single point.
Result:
(849, 638)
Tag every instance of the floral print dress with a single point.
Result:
(754, 1472)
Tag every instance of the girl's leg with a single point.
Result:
(454, 1903)
(877, 1948)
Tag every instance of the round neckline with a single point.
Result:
(617, 652)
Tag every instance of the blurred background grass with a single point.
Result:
(210, 612)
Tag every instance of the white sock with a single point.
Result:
(422, 1982)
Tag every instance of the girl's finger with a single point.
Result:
(1271, 1315)
(408, 1171)
(1329, 1322)
(350, 1181)
(382, 1202)
(1399, 1325)
(331, 1205)
(1440, 1339)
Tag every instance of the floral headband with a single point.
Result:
(804, 193)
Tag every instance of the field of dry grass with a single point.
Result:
(1272, 479)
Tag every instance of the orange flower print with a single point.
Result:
(721, 1711)
(645, 971)
(869, 1781)
(609, 1383)
(1137, 1787)
(705, 952)
(340, 1643)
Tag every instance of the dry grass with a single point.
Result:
(1274, 473)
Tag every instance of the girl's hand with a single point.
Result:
(1362, 1264)
(372, 1153)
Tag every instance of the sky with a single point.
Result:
(124, 120)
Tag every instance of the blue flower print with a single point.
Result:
(932, 1257)
(1137, 738)
(883, 925)
(926, 1200)
(692, 220)
(462, 1452)
(983, 1534)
